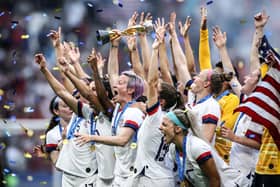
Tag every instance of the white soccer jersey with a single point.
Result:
(197, 152)
(152, 151)
(208, 111)
(125, 156)
(52, 138)
(242, 157)
(74, 159)
(104, 153)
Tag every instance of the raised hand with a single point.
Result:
(74, 54)
(131, 43)
(184, 29)
(55, 37)
(219, 38)
(40, 60)
(171, 24)
(261, 19)
(158, 40)
(132, 20)
(144, 18)
(63, 64)
(92, 58)
(100, 61)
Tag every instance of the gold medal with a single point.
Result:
(92, 148)
(133, 145)
(182, 184)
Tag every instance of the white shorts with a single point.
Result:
(75, 181)
(104, 182)
(144, 181)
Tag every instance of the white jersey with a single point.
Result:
(104, 153)
(151, 153)
(125, 156)
(207, 110)
(52, 138)
(74, 159)
(242, 157)
(197, 152)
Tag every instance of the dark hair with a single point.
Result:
(106, 83)
(171, 96)
(220, 65)
(55, 118)
(217, 80)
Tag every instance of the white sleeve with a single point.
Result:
(212, 114)
(200, 150)
(133, 118)
(86, 110)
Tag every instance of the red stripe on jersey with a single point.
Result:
(203, 157)
(268, 93)
(51, 145)
(253, 135)
(153, 109)
(210, 118)
(130, 122)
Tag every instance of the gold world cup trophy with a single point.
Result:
(105, 36)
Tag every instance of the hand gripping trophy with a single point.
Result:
(105, 36)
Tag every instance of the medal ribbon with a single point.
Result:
(181, 168)
(73, 126)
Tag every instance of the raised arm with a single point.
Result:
(113, 62)
(74, 58)
(184, 31)
(204, 49)
(102, 95)
(145, 48)
(153, 69)
(179, 57)
(84, 89)
(220, 41)
(134, 56)
(57, 87)
(260, 21)
(163, 59)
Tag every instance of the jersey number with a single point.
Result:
(162, 150)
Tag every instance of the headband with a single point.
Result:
(171, 115)
(209, 74)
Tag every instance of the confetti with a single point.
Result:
(7, 133)
(55, 68)
(0, 97)
(45, 15)
(81, 43)
(7, 107)
(24, 36)
(27, 155)
(57, 17)
(13, 174)
(1, 92)
(209, 2)
(49, 34)
(4, 182)
(99, 10)
(28, 109)
(6, 171)
(43, 182)
(2, 146)
(57, 9)
(90, 4)
(42, 137)
(2, 13)
(14, 25)
(129, 64)
(29, 178)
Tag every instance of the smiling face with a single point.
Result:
(168, 129)
(250, 82)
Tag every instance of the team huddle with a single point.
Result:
(150, 127)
